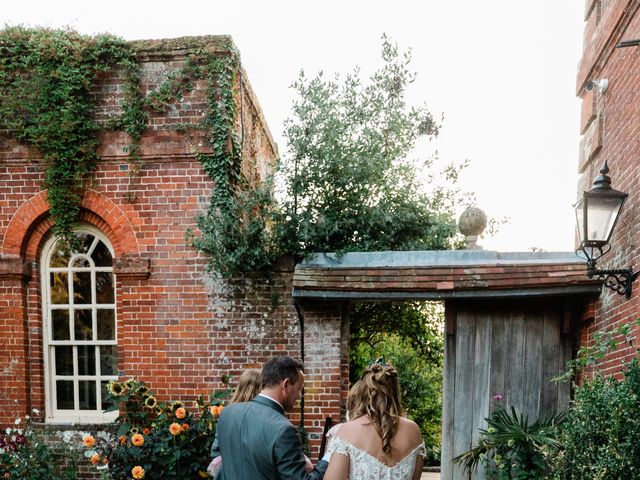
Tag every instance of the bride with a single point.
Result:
(378, 443)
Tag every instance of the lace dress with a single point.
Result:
(364, 466)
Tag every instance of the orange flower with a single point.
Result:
(89, 441)
(146, 431)
(123, 440)
(175, 429)
(95, 458)
(181, 413)
(184, 426)
(137, 472)
(216, 411)
(137, 440)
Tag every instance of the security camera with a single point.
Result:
(601, 85)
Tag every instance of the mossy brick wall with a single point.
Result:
(178, 330)
(610, 128)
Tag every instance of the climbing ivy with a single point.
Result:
(46, 80)
(235, 232)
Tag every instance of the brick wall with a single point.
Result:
(178, 330)
(610, 125)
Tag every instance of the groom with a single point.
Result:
(257, 441)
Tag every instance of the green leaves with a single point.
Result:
(512, 448)
(349, 181)
(46, 79)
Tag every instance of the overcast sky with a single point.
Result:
(502, 72)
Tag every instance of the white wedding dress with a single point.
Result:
(364, 466)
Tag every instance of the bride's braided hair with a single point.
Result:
(378, 396)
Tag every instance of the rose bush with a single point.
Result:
(24, 455)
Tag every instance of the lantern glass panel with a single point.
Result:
(602, 213)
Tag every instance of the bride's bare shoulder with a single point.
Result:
(409, 427)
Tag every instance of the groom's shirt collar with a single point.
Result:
(272, 399)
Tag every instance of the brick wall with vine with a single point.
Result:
(162, 157)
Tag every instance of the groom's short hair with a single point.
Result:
(279, 368)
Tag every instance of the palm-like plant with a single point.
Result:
(511, 448)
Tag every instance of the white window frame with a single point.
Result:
(67, 416)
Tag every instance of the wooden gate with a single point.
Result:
(506, 349)
(508, 329)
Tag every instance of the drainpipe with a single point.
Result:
(301, 322)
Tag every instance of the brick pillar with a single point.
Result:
(326, 362)
(13, 359)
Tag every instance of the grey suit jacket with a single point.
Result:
(258, 442)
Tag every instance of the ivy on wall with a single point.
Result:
(46, 79)
(46, 83)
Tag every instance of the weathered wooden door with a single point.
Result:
(500, 347)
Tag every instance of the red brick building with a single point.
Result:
(135, 301)
(610, 128)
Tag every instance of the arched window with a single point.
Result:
(80, 338)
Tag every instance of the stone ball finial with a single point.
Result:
(472, 223)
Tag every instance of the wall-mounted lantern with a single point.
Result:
(597, 214)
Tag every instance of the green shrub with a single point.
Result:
(601, 438)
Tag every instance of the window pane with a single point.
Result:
(108, 360)
(64, 395)
(60, 257)
(106, 402)
(82, 325)
(104, 287)
(81, 262)
(86, 360)
(101, 256)
(59, 288)
(87, 394)
(106, 324)
(64, 360)
(84, 242)
(81, 287)
(60, 325)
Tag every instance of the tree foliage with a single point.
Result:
(350, 182)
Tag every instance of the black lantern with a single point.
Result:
(597, 214)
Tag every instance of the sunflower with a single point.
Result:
(115, 388)
(150, 402)
(134, 430)
(176, 405)
(142, 390)
(130, 384)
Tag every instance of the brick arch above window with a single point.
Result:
(31, 222)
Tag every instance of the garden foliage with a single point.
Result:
(511, 447)
(155, 440)
(601, 438)
(24, 455)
